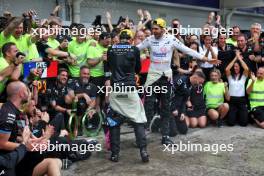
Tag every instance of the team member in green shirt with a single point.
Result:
(10, 67)
(96, 55)
(255, 90)
(78, 47)
(53, 43)
(233, 40)
(53, 32)
(24, 42)
(215, 93)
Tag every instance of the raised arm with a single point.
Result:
(244, 66)
(214, 55)
(144, 44)
(141, 17)
(12, 25)
(55, 11)
(141, 24)
(230, 65)
(109, 21)
(251, 83)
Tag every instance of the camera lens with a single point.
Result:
(20, 54)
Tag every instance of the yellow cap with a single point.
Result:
(160, 22)
(128, 32)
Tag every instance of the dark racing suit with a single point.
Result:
(123, 61)
(181, 93)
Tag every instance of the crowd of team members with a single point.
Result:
(231, 92)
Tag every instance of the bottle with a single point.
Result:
(74, 104)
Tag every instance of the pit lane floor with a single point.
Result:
(247, 157)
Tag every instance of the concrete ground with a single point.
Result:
(247, 157)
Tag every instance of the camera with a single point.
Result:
(20, 54)
(175, 26)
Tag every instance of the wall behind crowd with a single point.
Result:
(195, 17)
(91, 8)
(17, 7)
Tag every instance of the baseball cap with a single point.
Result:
(160, 22)
(126, 32)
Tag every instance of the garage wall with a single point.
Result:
(91, 8)
(17, 7)
(245, 21)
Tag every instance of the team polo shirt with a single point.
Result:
(3, 64)
(53, 43)
(23, 44)
(80, 51)
(95, 52)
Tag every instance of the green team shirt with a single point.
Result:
(80, 51)
(32, 52)
(214, 94)
(3, 64)
(53, 43)
(231, 42)
(256, 96)
(95, 52)
(91, 42)
(23, 44)
(4, 39)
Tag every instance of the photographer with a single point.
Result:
(15, 32)
(176, 27)
(9, 66)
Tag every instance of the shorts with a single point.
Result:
(196, 113)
